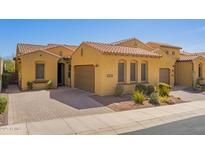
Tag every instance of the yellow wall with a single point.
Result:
(184, 73)
(168, 61)
(135, 43)
(28, 68)
(106, 72)
(196, 63)
(59, 49)
(90, 57)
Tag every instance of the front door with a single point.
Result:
(61, 74)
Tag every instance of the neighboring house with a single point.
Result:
(1, 72)
(39, 63)
(100, 67)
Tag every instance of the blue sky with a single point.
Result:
(189, 34)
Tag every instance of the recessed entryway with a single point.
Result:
(61, 74)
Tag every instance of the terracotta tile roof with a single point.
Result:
(187, 58)
(164, 45)
(121, 50)
(29, 48)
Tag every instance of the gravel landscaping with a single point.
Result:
(125, 102)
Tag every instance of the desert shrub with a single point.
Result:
(138, 97)
(118, 90)
(49, 84)
(164, 89)
(6, 79)
(164, 99)
(3, 103)
(150, 89)
(30, 85)
(154, 98)
(141, 87)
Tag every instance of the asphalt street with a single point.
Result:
(192, 126)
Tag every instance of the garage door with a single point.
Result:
(85, 77)
(164, 75)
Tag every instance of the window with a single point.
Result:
(132, 71)
(200, 71)
(167, 52)
(144, 72)
(69, 71)
(39, 71)
(121, 72)
(173, 53)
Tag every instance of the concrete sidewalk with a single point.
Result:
(109, 123)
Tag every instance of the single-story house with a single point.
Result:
(41, 63)
(100, 67)
(1, 72)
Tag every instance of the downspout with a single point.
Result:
(193, 82)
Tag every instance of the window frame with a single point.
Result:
(121, 81)
(36, 75)
(146, 72)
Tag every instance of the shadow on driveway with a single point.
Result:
(75, 98)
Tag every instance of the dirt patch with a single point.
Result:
(125, 102)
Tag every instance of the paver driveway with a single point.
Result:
(58, 103)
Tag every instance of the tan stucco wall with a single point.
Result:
(106, 72)
(168, 61)
(184, 73)
(135, 43)
(28, 68)
(90, 57)
(58, 50)
(196, 63)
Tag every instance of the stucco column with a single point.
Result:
(127, 72)
(139, 71)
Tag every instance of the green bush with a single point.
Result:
(3, 103)
(119, 90)
(154, 98)
(138, 97)
(164, 89)
(141, 87)
(150, 89)
(6, 79)
(9, 66)
(30, 85)
(49, 84)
